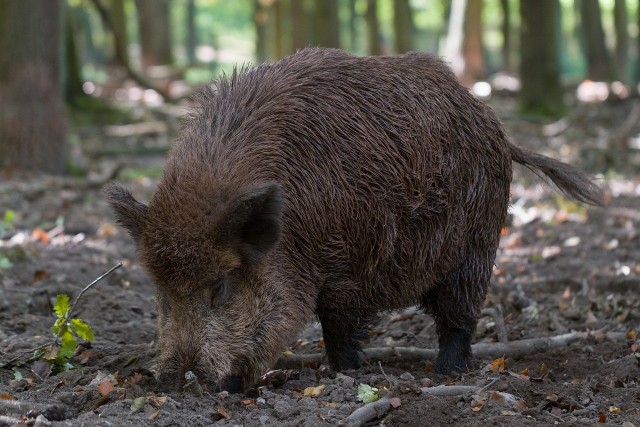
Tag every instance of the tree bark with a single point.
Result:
(403, 26)
(260, 17)
(373, 29)
(155, 32)
(327, 24)
(472, 53)
(506, 35)
(598, 61)
(191, 42)
(621, 22)
(73, 74)
(32, 117)
(541, 92)
(353, 32)
(121, 41)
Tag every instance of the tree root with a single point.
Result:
(514, 349)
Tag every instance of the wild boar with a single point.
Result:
(330, 185)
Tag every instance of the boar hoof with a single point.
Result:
(232, 384)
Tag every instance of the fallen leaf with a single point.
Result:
(105, 387)
(7, 397)
(519, 376)
(223, 413)
(508, 413)
(497, 365)
(41, 235)
(334, 405)
(313, 391)
(614, 409)
(154, 415)
(602, 418)
(552, 397)
(157, 401)
(632, 335)
(520, 405)
(394, 402)
(40, 275)
(248, 402)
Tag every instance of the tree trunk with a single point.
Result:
(191, 42)
(121, 42)
(73, 74)
(260, 17)
(327, 23)
(506, 36)
(621, 22)
(373, 29)
(455, 26)
(155, 32)
(403, 26)
(353, 31)
(32, 117)
(472, 53)
(598, 62)
(541, 92)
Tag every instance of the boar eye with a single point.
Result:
(218, 292)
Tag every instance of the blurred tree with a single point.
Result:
(403, 26)
(260, 17)
(191, 40)
(541, 92)
(73, 81)
(472, 49)
(598, 61)
(353, 30)
(621, 21)
(506, 35)
(155, 32)
(32, 116)
(301, 25)
(327, 24)
(121, 39)
(373, 27)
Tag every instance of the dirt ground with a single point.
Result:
(560, 269)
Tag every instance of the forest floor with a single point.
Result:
(560, 269)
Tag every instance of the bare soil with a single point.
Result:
(560, 268)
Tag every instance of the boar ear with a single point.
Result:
(251, 223)
(129, 212)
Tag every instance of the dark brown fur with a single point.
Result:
(326, 184)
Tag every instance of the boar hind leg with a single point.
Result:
(341, 333)
(455, 304)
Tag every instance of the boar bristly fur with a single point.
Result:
(331, 185)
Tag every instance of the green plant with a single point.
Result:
(67, 331)
(7, 221)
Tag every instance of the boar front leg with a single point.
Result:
(341, 332)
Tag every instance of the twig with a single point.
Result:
(19, 356)
(492, 382)
(366, 413)
(482, 350)
(19, 407)
(496, 314)
(384, 373)
(86, 288)
(9, 421)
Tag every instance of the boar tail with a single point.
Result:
(572, 182)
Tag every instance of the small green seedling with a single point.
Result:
(368, 394)
(67, 332)
(7, 221)
(5, 263)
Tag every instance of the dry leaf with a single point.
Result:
(497, 365)
(223, 413)
(614, 409)
(632, 335)
(40, 275)
(7, 397)
(520, 405)
(39, 234)
(313, 391)
(395, 402)
(157, 401)
(249, 402)
(602, 418)
(524, 377)
(105, 387)
(154, 415)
